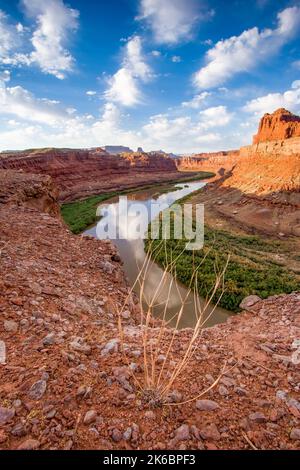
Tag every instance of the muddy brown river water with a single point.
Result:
(132, 252)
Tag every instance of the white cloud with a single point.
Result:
(124, 85)
(181, 134)
(197, 101)
(20, 28)
(296, 84)
(4, 76)
(55, 21)
(156, 53)
(217, 116)
(176, 59)
(28, 121)
(91, 93)
(18, 101)
(6, 35)
(290, 100)
(242, 53)
(123, 88)
(9, 39)
(135, 61)
(172, 21)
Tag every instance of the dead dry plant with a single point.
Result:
(164, 360)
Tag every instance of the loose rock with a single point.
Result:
(206, 405)
(37, 390)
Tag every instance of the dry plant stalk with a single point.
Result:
(159, 377)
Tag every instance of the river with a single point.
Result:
(133, 256)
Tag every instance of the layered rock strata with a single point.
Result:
(79, 173)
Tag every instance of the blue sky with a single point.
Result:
(179, 75)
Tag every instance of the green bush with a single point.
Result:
(259, 276)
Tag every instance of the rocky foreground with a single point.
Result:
(66, 383)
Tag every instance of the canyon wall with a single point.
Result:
(275, 147)
(217, 162)
(79, 173)
(271, 166)
(266, 173)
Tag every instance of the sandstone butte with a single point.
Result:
(280, 125)
(65, 383)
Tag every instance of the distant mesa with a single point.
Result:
(161, 152)
(115, 149)
(280, 125)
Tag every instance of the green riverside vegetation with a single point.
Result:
(80, 215)
(252, 267)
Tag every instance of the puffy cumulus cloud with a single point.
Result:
(290, 99)
(217, 116)
(91, 93)
(134, 59)
(172, 21)
(54, 23)
(162, 128)
(197, 101)
(243, 53)
(186, 133)
(29, 121)
(124, 85)
(19, 102)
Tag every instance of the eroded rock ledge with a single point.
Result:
(66, 385)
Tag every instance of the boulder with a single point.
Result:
(249, 301)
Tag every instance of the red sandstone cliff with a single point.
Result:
(217, 162)
(79, 173)
(280, 125)
(272, 163)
